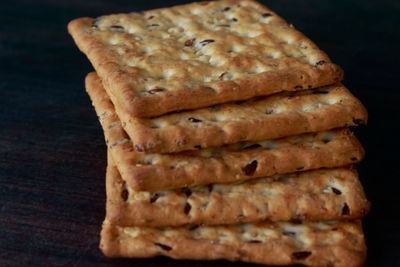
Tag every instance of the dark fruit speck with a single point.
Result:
(301, 255)
(336, 191)
(191, 119)
(125, 194)
(250, 168)
(162, 246)
(156, 90)
(345, 209)
(187, 208)
(154, 197)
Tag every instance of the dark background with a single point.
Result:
(52, 152)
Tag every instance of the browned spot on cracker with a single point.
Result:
(190, 42)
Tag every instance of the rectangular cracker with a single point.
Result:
(326, 194)
(270, 117)
(200, 54)
(339, 244)
(231, 163)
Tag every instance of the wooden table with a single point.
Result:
(52, 152)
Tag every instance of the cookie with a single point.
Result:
(200, 54)
(326, 194)
(272, 243)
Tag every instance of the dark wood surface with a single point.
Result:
(52, 153)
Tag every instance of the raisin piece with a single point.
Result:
(359, 122)
(153, 25)
(226, 9)
(336, 191)
(320, 92)
(191, 119)
(162, 246)
(234, 19)
(254, 241)
(156, 90)
(190, 42)
(150, 17)
(206, 42)
(320, 63)
(289, 233)
(197, 147)
(117, 28)
(250, 168)
(186, 191)
(125, 195)
(154, 197)
(345, 209)
(266, 15)
(187, 208)
(139, 148)
(353, 159)
(210, 187)
(298, 87)
(252, 146)
(300, 255)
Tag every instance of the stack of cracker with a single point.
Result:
(227, 137)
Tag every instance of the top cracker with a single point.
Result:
(199, 54)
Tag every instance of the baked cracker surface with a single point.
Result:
(331, 243)
(318, 110)
(325, 194)
(199, 54)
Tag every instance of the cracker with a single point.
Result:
(227, 164)
(328, 194)
(200, 54)
(270, 117)
(311, 244)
